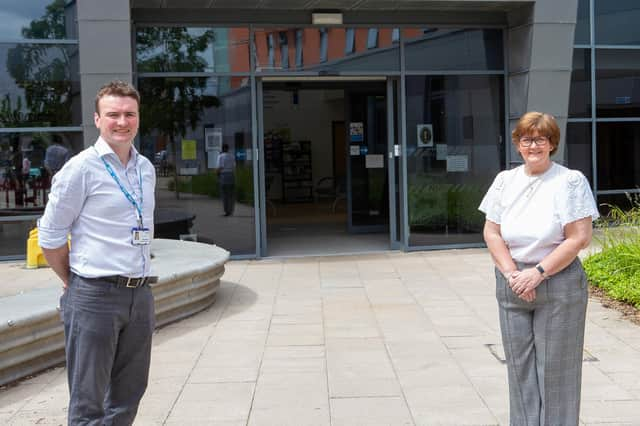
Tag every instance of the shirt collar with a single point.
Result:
(104, 149)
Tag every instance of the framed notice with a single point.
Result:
(213, 139)
(425, 135)
(457, 163)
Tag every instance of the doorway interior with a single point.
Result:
(325, 167)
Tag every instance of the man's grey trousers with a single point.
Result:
(108, 333)
(543, 344)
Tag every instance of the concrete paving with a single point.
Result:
(379, 339)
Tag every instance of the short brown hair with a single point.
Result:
(117, 88)
(544, 124)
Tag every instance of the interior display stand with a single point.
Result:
(297, 179)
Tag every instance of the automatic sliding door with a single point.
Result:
(368, 200)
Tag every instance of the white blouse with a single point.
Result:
(532, 211)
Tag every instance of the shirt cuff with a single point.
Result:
(51, 238)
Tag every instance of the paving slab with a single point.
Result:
(380, 339)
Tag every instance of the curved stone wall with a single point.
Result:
(31, 335)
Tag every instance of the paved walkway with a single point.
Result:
(384, 339)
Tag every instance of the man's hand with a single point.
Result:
(58, 259)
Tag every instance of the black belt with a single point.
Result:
(121, 281)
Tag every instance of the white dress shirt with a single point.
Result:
(532, 211)
(87, 202)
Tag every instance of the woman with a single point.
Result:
(538, 217)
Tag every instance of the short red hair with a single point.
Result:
(544, 124)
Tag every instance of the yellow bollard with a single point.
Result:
(35, 258)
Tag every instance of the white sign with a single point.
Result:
(441, 151)
(425, 135)
(213, 139)
(457, 163)
(374, 161)
(188, 171)
(355, 149)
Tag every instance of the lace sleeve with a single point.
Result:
(578, 201)
(491, 204)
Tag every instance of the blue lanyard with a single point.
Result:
(132, 200)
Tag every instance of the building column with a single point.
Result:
(540, 53)
(104, 32)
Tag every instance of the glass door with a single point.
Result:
(367, 164)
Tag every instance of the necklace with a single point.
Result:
(533, 184)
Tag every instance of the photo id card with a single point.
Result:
(140, 236)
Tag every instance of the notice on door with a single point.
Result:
(457, 163)
(374, 161)
(356, 131)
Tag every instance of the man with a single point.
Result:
(226, 179)
(104, 197)
(55, 156)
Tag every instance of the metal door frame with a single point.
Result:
(395, 241)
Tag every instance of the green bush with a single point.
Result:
(434, 206)
(207, 184)
(616, 268)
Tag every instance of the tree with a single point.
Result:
(43, 72)
(169, 105)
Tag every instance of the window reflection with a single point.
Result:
(618, 149)
(327, 49)
(455, 147)
(431, 49)
(41, 86)
(28, 161)
(38, 19)
(617, 79)
(582, 23)
(614, 22)
(580, 91)
(185, 123)
(184, 49)
(578, 150)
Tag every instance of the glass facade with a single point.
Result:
(185, 123)
(40, 111)
(195, 100)
(330, 50)
(604, 104)
(430, 49)
(455, 134)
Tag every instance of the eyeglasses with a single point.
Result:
(538, 141)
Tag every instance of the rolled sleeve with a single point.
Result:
(65, 203)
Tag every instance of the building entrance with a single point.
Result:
(326, 172)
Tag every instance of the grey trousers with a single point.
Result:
(108, 350)
(543, 344)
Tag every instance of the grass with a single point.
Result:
(616, 268)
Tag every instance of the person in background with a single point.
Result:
(226, 179)
(538, 218)
(104, 197)
(55, 157)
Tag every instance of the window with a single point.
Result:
(615, 22)
(580, 90)
(372, 38)
(617, 83)
(324, 44)
(299, 46)
(284, 49)
(349, 41)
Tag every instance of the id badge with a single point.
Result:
(140, 236)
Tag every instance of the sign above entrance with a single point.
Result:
(326, 18)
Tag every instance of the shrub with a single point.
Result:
(616, 268)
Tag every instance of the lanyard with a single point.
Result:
(132, 200)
